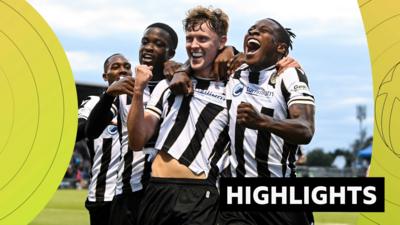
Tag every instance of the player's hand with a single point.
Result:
(143, 75)
(286, 62)
(249, 117)
(125, 85)
(181, 84)
(236, 62)
(220, 66)
(170, 67)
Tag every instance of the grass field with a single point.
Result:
(67, 208)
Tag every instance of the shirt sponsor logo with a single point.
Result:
(258, 91)
(300, 87)
(238, 89)
(211, 96)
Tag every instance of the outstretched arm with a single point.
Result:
(299, 129)
(141, 125)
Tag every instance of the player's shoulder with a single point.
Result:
(242, 67)
(93, 98)
(164, 82)
(87, 106)
(90, 100)
(162, 85)
(293, 74)
(239, 70)
(293, 70)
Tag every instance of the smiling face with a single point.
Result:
(155, 48)
(202, 45)
(116, 67)
(260, 45)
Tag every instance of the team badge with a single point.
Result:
(112, 129)
(238, 89)
(273, 78)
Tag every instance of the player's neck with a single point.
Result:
(258, 68)
(158, 73)
(205, 74)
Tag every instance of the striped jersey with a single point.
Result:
(256, 153)
(104, 156)
(194, 127)
(135, 166)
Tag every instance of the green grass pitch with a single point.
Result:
(67, 208)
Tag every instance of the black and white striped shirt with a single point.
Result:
(104, 156)
(257, 153)
(135, 167)
(194, 128)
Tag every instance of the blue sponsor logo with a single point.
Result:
(112, 129)
(258, 91)
(238, 89)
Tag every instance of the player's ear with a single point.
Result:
(105, 78)
(222, 42)
(282, 48)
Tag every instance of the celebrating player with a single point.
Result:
(269, 116)
(157, 46)
(192, 130)
(104, 150)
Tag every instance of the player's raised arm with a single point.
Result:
(141, 124)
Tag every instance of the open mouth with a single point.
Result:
(252, 45)
(147, 57)
(197, 54)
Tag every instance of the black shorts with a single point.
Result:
(264, 218)
(124, 209)
(170, 201)
(99, 212)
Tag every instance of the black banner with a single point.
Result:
(300, 194)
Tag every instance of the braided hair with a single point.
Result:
(284, 35)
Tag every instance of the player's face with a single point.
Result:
(155, 47)
(118, 66)
(202, 45)
(259, 44)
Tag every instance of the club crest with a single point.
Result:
(238, 89)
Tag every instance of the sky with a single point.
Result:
(330, 46)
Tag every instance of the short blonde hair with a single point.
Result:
(216, 19)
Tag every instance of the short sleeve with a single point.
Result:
(295, 88)
(87, 106)
(158, 96)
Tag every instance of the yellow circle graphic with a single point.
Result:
(381, 21)
(38, 115)
(387, 110)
